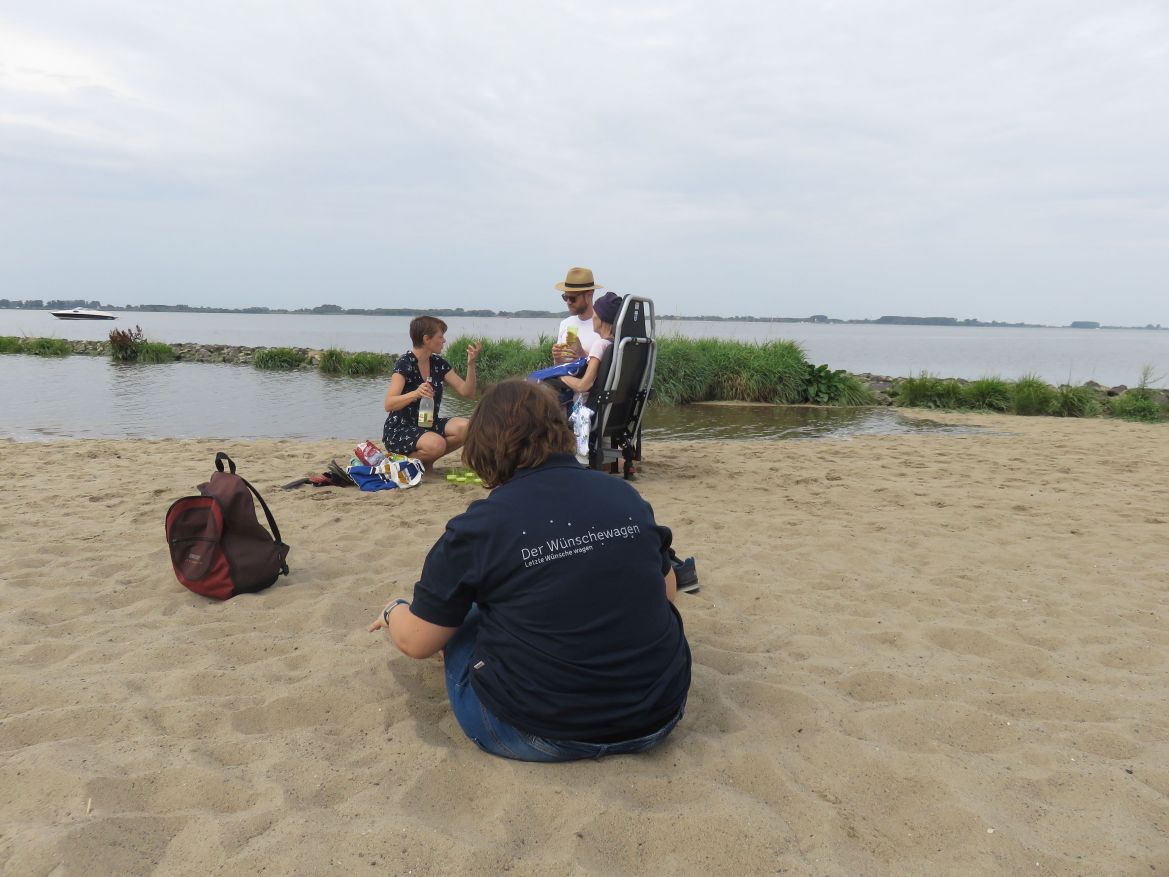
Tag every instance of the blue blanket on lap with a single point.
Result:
(574, 369)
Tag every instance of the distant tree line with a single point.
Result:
(55, 304)
(65, 304)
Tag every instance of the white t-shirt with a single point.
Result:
(584, 331)
(598, 348)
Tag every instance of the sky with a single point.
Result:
(994, 160)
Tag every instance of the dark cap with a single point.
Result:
(607, 307)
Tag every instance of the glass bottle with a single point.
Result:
(426, 412)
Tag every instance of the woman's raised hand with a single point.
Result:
(473, 351)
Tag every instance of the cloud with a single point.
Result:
(1003, 159)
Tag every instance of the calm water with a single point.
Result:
(1112, 356)
(91, 397)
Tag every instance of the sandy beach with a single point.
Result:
(919, 654)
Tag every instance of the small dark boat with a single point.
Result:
(82, 314)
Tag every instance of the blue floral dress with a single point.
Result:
(401, 433)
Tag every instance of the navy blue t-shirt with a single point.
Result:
(577, 640)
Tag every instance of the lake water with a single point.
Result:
(92, 397)
(1109, 356)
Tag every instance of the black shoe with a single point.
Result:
(687, 576)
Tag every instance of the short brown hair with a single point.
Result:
(421, 327)
(518, 425)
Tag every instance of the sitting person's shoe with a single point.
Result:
(687, 576)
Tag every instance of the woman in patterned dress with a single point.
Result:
(422, 372)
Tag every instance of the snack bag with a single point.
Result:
(368, 453)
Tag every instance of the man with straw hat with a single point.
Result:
(576, 334)
(575, 338)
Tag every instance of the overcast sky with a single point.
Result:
(998, 160)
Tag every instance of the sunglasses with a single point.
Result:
(571, 297)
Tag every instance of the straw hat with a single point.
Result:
(579, 280)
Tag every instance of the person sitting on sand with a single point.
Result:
(605, 311)
(555, 618)
(576, 334)
(421, 373)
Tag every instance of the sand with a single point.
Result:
(913, 655)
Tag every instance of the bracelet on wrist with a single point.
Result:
(391, 606)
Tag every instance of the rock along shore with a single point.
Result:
(192, 352)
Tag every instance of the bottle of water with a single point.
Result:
(426, 412)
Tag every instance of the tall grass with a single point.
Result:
(278, 358)
(1031, 396)
(690, 370)
(1139, 403)
(46, 347)
(928, 391)
(1142, 402)
(987, 394)
(333, 361)
(1075, 402)
(368, 364)
(341, 362)
(500, 359)
(10, 344)
(853, 392)
(130, 345)
(155, 351)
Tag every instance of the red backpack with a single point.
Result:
(217, 545)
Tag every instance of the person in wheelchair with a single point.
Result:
(605, 311)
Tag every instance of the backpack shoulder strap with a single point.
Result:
(267, 513)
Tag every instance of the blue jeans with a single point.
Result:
(492, 734)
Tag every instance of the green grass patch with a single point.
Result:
(825, 386)
(708, 369)
(341, 362)
(278, 358)
(46, 347)
(333, 361)
(11, 344)
(1072, 401)
(1140, 403)
(155, 352)
(854, 393)
(928, 391)
(688, 370)
(987, 394)
(368, 364)
(130, 345)
(1032, 397)
(500, 359)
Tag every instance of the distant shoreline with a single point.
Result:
(336, 310)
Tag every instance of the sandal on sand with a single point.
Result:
(334, 476)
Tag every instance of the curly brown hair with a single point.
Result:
(518, 425)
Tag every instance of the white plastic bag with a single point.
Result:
(581, 419)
